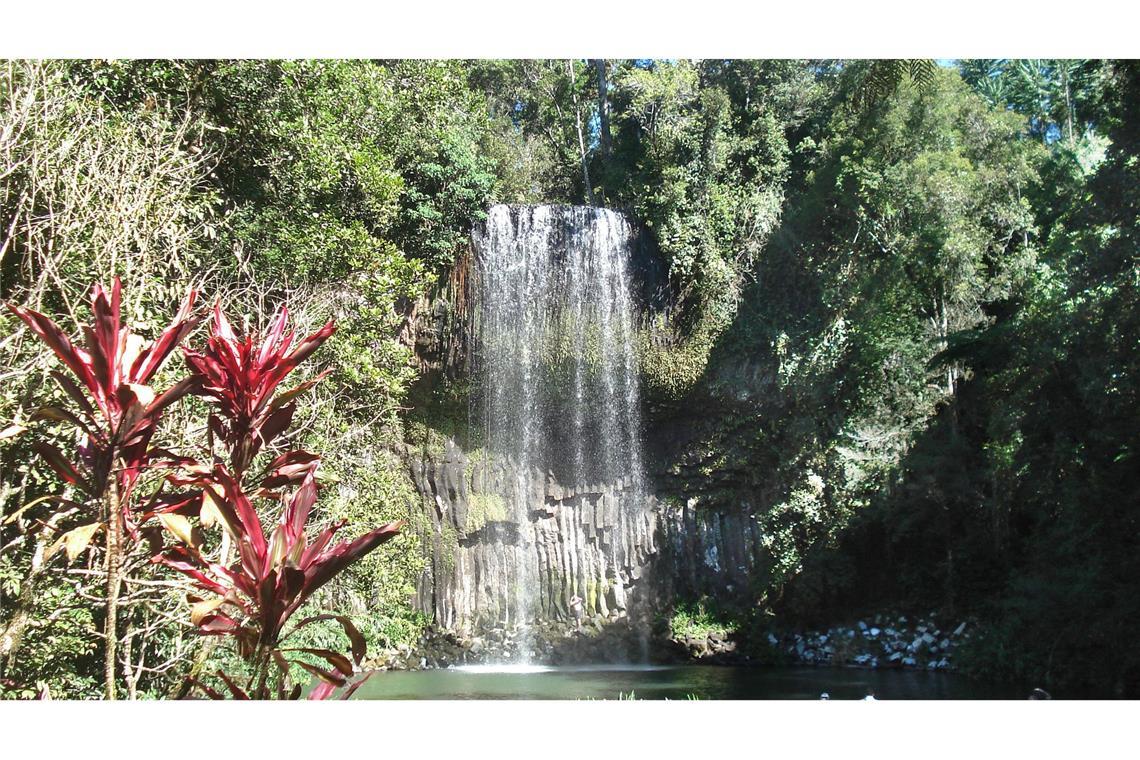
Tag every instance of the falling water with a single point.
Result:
(557, 367)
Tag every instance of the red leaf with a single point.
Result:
(325, 567)
(275, 424)
(356, 685)
(296, 514)
(59, 463)
(185, 561)
(328, 676)
(154, 411)
(289, 468)
(77, 360)
(149, 360)
(72, 390)
(211, 693)
(359, 647)
(322, 691)
(340, 663)
(274, 336)
(244, 510)
(236, 690)
(286, 396)
(302, 352)
(218, 623)
(59, 414)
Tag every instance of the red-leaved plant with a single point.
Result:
(253, 599)
(241, 379)
(117, 413)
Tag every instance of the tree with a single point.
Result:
(115, 413)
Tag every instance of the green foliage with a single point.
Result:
(699, 620)
(903, 335)
(879, 80)
(60, 649)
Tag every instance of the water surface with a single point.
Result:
(674, 682)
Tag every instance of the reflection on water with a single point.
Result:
(673, 682)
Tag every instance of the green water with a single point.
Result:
(675, 682)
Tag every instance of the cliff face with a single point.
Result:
(575, 541)
(561, 487)
(620, 563)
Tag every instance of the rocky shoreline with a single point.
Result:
(900, 642)
(879, 641)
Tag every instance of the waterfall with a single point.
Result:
(557, 406)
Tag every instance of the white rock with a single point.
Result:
(959, 629)
(862, 626)
(945, 644)
(773, 640)
(874, 631)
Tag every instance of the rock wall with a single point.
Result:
(576, 542)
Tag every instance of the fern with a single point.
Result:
(884, 77)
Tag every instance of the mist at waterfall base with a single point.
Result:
(558, 398)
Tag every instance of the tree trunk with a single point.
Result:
(605, 140)
(12, 634)
(1068, 101)
(581, 137)
(603, 107)
(114, 546)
